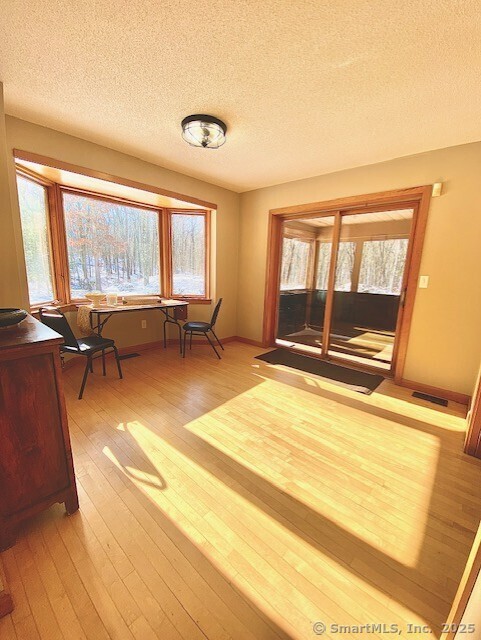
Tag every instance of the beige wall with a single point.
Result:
(127, 330)
(9, 271)
(445, 342)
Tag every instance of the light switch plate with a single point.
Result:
(423, 282)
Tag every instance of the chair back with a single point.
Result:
(56, 320)
(213, 320)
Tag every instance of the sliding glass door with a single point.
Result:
(342, 285)
(371, 260)
(305, 267)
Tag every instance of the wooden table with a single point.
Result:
(173, 311)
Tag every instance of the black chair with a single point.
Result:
(88, 346)
(203, 329)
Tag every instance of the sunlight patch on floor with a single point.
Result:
(341, 491)
(397, 405)
(223, 525)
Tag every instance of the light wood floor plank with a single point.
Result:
(233, 499)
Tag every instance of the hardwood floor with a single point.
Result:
(232, 499)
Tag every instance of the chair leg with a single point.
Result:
(190, 341)
(103, 362)
(185, 338)
(180, 337)
(212, 345)
(218, 341)
(117, 359)
(91, 365)
(88, 367)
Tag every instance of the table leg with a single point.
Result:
(171, 320)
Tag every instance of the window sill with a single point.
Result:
(193, 300)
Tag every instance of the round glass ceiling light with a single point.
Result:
(205, 131)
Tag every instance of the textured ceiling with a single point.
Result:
(306, 87)
(359, 218)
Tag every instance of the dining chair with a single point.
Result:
(203, 329)
(86, 346)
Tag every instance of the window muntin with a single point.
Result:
(111, 247)
(34, 215)
(296, 255)
(189, 274)
(382, 266)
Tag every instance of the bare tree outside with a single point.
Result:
(188, 254)
(323, 262)
(111, 247)
(382, 266)
(344, 266)
(295, 263)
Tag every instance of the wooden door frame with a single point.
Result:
(472, 573)
(472, 443)
(417, 198)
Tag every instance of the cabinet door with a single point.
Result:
(32, 451)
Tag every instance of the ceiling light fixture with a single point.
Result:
(205, 131)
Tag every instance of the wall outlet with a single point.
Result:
(144, 324)
(423, 282)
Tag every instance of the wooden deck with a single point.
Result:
(231, 499)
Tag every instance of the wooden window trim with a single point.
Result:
(59, 209)
(52, 235)
(36, 158)
(59, 251)
(167, 263)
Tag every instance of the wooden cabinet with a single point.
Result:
(36, 468)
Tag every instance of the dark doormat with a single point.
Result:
(351, 378)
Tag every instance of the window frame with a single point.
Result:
(59, 250)
(51, 233)
(360, 250)
(168, 267)
(359, 241)
(309, 238)
(113, 200)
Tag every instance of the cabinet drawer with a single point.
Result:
(33, 462)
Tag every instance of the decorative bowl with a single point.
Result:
(10, 317)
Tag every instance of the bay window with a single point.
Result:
(111, 247)
(78, 241)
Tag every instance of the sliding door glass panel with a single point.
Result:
(305, 262)
(371, 260)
